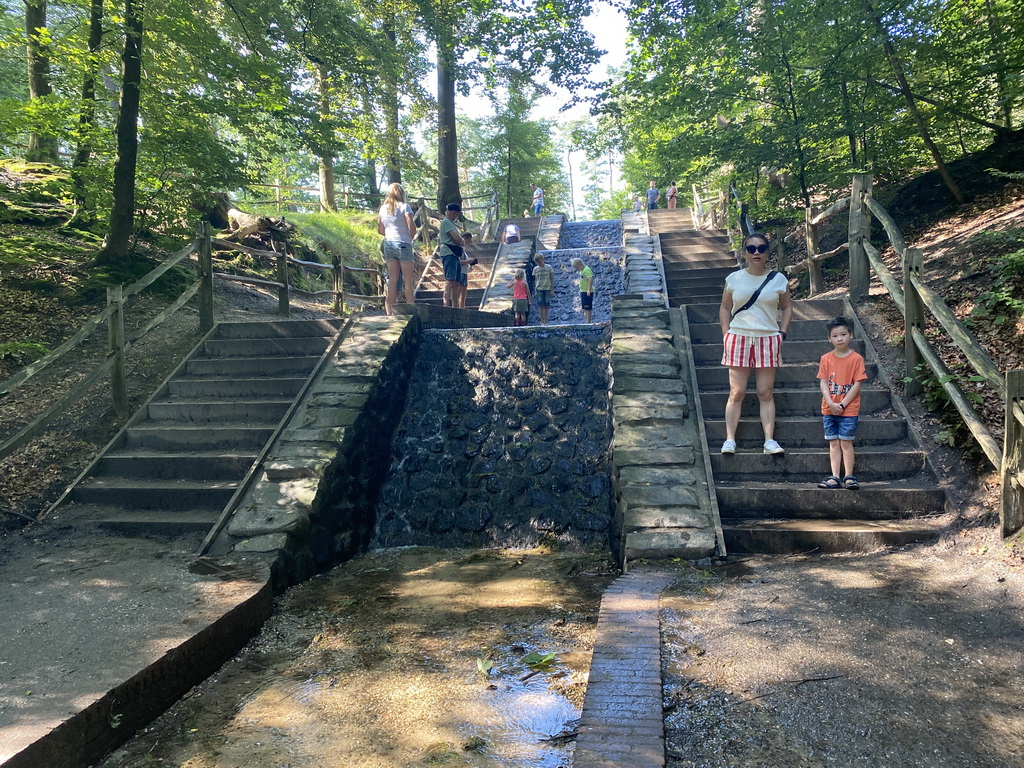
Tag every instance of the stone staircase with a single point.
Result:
(772, 503)
(183, 455)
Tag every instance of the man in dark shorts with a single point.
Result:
(452, 244)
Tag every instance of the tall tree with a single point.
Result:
(42, 143)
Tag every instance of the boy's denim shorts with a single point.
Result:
(840, 427)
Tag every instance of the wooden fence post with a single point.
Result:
(206, 276)
(744, 218)
(811, 240)
(338, 275)
(277, 194)
(913, 317)
(859, 232)
(282, 278)
(781, 257)
(696, 211)
(115, 335)
(1011, 508)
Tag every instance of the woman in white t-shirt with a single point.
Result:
(753, 332)
(395, 222)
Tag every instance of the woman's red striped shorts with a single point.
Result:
(752, 351)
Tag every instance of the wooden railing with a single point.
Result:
(916, 300)
(118, 344)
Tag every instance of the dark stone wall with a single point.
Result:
(504, 441)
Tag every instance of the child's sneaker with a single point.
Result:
(770, 446)
(728, 447)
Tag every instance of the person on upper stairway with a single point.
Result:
(653, 196)
(755, 315)
(538, 199)
(452, 244)
(511, 234)
(841, 374)
(395, 222)
(671, 194)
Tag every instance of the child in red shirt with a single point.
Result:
(840, 373)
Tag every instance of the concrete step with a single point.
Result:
(876, 500)
(709, 280)
(140, 493)
(822, 536)
(804, 433)
(711, 239)
(244, 367)
(812, 309)
(799, 330)
(799, 402)
(792, 351)
(177, 438)
(686, 543)
(136, 522)
(194, 465)
(227, 388)
(685, 298)
(811, 466)
(278, 329)
(302, 346)
(217, 411)
(714, 376)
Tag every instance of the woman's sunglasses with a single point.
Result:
(762, 248)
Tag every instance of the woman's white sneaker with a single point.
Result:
(770, 446)
(728, 447)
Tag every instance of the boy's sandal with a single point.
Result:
(851, 482)
(830, 482)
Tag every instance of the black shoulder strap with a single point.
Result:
(750, 302)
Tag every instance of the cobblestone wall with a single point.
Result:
(504, 441)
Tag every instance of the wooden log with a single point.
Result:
(168, 311)
(151, 277)
(885, 276)
(228, 245)
(247, 280)
(800, 266)
(895, 236)
(1011, 507)
(859, 231)
(956, 396)
(913, 318)
(837, 207)
(967, 344)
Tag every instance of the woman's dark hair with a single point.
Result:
(838, 322)
(754, 234)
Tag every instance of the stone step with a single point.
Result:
(167, 437)
(715, 376)
(243, 367)
(812, 309)
(278, 329)
(194, 465)
(823, 536)
(210, 411)
(876, 500)
(685, 543)
(799, 330)
(135, 522)
(683, 300)
(812, 466)
(792, 351)
(304, 346)
(799, 402)
(140, 493)
(804, 433)
(211, 388)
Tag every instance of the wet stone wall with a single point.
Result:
(504, 441)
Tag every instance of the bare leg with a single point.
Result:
(835, 457)
(409, 276)
(765, 380)
(738, 378)
(848, 455)
(449, 293)
(392, 294)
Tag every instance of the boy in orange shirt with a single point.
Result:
(841, 373)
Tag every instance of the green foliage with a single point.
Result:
(954, 432)
(1003, 301)
(21, 353)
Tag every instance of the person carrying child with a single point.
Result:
(543, 281)
(520, 297)
(841, 374)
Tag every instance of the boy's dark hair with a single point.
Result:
(838, 322)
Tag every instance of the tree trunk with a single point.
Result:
(42, 146)
(325, 160)
(87, 117)
(997, 45)
(392, 135)
(373, 199)
(922, 128)
(122, 214)
(447, 141)
(851, 133)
